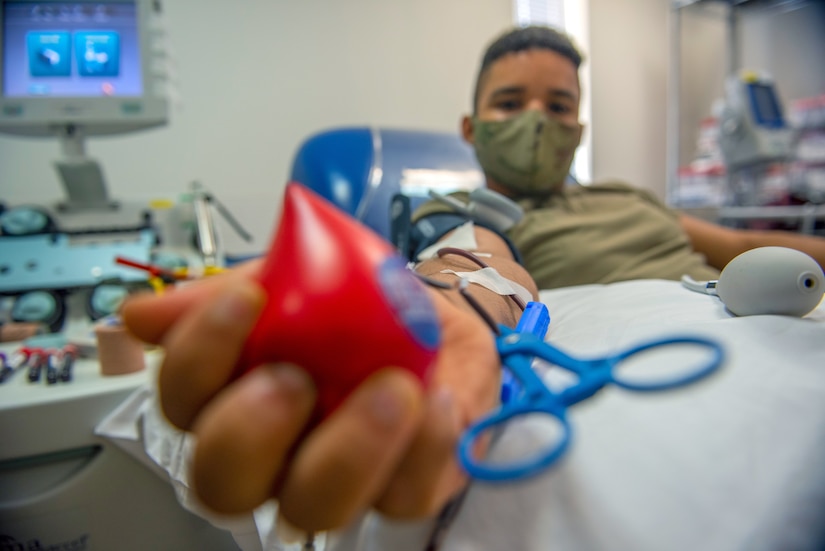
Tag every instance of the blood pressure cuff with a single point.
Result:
(430, 228)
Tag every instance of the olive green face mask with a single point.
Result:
(529, 153)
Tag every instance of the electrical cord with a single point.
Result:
(461, 286)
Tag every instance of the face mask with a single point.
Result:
(529, 153)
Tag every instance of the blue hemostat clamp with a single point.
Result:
(535, 320)
(525, 393)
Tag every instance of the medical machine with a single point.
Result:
(64, 486)
(753, 129)
(74, 69)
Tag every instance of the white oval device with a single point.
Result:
(771, 280)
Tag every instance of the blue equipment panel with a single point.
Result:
(64, 261)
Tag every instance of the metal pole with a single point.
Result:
(733, 40)
(674, 83)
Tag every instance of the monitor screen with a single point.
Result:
(765, 105)
(71, 49)
(89, 66)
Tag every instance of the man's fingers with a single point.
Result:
(202, 349)
(149, 316)
(345, 463)
(245, 435)
(467, 381)
(429, 474)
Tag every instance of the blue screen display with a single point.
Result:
(765, 105)
(71, 49)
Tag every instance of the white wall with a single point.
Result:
(790, 44)
(259, 76)
(628, 65)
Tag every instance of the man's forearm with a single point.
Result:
(721, 244)
(501, 308)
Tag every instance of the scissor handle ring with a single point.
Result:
(519, 469)
(689, 378)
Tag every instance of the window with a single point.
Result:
(544, 12)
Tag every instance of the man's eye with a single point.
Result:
(508, 105)
(558, 108)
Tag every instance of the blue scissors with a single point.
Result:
(523, 391)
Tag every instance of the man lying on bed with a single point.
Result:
(525, 131)
(390, 447)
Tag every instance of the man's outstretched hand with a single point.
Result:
(389, 446)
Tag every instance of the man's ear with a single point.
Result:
(467, 129)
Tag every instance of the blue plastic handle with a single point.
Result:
(535, 320)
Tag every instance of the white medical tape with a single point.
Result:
(489, 278)
(463, 237)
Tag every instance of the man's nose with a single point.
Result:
(535, 105)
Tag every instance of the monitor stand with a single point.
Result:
(82, 177)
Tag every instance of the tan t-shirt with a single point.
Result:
(600, 233)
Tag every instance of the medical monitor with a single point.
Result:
(73, 69)
(765, 103)
(82, 66)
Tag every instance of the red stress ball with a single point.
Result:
(341, 304)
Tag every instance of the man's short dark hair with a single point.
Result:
(526, 38)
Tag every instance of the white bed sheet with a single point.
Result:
(734, 462)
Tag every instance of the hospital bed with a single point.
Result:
(734, 462)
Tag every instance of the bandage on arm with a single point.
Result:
(494, 252)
